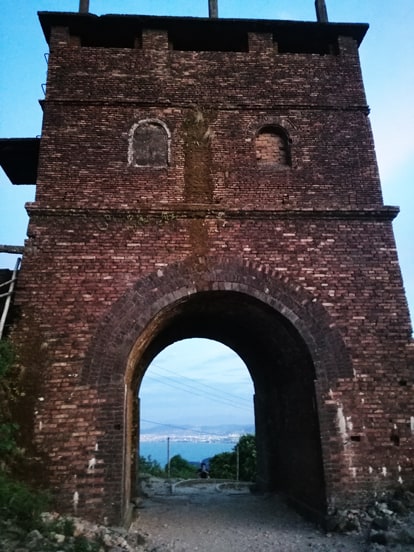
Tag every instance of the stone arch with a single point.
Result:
(149, 144)
(293, 337)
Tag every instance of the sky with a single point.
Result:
(387, 55)
(207, 377)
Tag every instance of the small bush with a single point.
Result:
(7, 438)
(82, 544)
(21, 504)
(18, 502)
(6, 358)
(223, 465)
(148, 465)
(181, 468)
(8, 429)
(68, 527)
(63, 526)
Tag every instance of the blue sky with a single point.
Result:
(387, 55)
(201, 377)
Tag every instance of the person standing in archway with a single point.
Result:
(203, 472)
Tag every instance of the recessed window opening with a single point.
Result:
(108, 39)
(196, 400)
(149, 144)
(272, 146)
(302, 44)
(209, 41)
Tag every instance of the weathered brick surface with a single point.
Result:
(115, 252)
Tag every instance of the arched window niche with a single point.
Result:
(272, 146)
(149, 144)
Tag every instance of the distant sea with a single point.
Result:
(192, 451)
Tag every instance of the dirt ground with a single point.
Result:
(209, 517)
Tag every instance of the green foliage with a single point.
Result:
(247, 457)
(148, 465)
(63, 526)
(7, 438)
(224, 465)
(8, 429)
(82, 544)
(181, 468)
(6, 358)
(68, 527)
(21, 504)
(7, 387)
(18, 502)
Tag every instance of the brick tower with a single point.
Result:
(212, 178)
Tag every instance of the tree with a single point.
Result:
(247, 457)
(148, 465)
(179, 467)
(224, 465)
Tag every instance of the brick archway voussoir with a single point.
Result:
(130, 315)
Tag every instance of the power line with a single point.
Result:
(200, 390)
(194, 381)
(197, 392)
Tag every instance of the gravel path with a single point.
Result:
(202, 519)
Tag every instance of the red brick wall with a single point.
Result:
(100, 227)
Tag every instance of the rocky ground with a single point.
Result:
(203, 519)
(211, 516)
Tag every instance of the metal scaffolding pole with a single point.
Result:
(213, 9)
(321, 11)
(83, 6)
(8, 296)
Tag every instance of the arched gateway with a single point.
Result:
(289, 345)
(211, 178)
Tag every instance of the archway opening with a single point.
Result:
(289, 456)
(195, 401)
